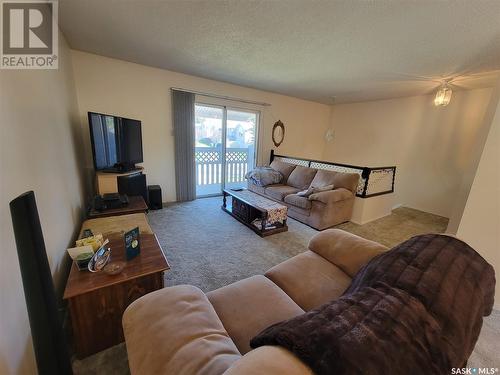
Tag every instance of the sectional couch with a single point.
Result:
(319, 210)
(181, 330)
(415, 309)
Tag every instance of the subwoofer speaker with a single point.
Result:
(49, 342)
(155, 200)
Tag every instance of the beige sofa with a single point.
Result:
(180, 330)
(320, 210)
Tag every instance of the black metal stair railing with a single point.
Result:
(373, 181)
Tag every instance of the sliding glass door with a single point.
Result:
(225, 147)
(209, 147)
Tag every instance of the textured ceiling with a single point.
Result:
(350, 50)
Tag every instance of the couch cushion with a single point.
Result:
(284, 168)
(269, 360)
(301, 177)
(346, 250)
(331, 196)
(323, 178)
(279, 192)
(309, 279)
(176, 330)
(248, 306)
(298, 201)
(347, 181)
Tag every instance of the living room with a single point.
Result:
(351, 83)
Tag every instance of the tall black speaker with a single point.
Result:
(49, 341)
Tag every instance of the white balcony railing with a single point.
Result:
(209, 176)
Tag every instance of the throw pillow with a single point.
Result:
(306, 193)
(312, 190)
(263, 176)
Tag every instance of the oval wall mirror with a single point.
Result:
(278, 133)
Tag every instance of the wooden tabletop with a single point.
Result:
(150, 260)
(136, 204)
(117, 224)
(243, 194)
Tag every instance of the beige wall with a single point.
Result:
(430, 146)
(369, 209)
(40, 148)
(474, 157)
(480, 224)
(141, 92)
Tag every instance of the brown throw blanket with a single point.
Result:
(416, 309)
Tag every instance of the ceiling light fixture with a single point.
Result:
(443, 95)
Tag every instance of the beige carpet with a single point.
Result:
(398, 227)
(209, 249)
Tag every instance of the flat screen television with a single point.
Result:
(116, 142)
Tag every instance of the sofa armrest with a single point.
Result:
(176, 330)
(269, 360)
(346, 250)
(331, 196)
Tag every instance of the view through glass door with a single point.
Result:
(225, 147)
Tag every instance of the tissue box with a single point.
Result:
(81, 255)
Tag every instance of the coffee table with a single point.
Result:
(251, 209)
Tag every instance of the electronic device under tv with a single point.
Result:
(133, 184)
(116, 142)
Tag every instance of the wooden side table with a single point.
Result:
(136, 204)
(97, 300)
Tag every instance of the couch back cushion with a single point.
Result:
(347, 181)
(284, 168)
(323, 178)
(176, 331)
(301, 177)
(346, 250)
